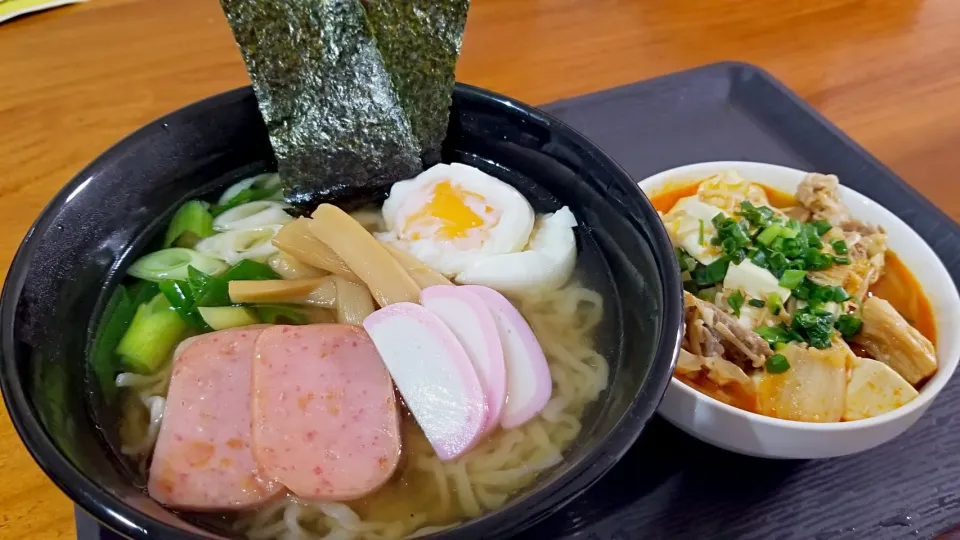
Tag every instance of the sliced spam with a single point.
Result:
(203, 458)
(326, 422)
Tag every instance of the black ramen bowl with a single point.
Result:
(79, 248)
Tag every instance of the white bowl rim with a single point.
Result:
(952, 299)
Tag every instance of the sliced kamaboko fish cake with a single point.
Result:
(325, 418)
(471, 321)
(203, 460)
(433, 373)
(529, 384)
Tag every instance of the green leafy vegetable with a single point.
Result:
(777, 364)
(849, 325)
(815, 325)
(756, 302)
(153, 333)
(839, 246)
(189, 225)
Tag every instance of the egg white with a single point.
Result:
(546, 264)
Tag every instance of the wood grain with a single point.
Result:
(75, 80)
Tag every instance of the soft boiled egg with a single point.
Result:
(453, 215)
(545, 264)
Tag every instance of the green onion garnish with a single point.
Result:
(849, 325)
(777, 364)
(821, 227)
(839, 246)
(756, 302)
(735, 300)
(792, 278)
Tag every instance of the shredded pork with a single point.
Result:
(732, 337)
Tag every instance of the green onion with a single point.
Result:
(815, 260)
(821, 226)
(690, 286)
(849, 325)
(181, 298)
(841, 260)
(208, 291)
(792, 278)
(172, 263)
(711, 273)
(839, 246)
(777, 364)
(775, 303)
(709, 294)
(244, 196)
(788, 233)
(116, 318)
(687, 263)
(840, 295)
(279, 314)
(249, 270)
(756, 302)
(701, 233)
(816, 325)
(153, 333)
(189, 225)
(220, 318)
(757, 216)
(735, 300)
(772, 334)
(770, 234)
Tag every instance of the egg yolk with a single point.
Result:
(449, 211)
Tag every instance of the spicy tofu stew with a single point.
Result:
(795, 309)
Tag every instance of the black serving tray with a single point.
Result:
(671, 486)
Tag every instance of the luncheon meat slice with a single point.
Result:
(202, 460)
(325, 417)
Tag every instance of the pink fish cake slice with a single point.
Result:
(203, 460)
(325, 418)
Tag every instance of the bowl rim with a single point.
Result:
(929, 391)
(126, 519)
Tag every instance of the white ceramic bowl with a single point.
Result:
(748, 433)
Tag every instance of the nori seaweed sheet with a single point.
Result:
(334, 120)
(342, 126)
(420, 43)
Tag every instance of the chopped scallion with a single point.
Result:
(792, 278)
(777, 364)
(735, 300)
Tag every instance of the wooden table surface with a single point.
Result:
(75, 80)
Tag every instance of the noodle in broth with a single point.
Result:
(427, 495)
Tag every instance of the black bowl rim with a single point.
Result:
(123, 518)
